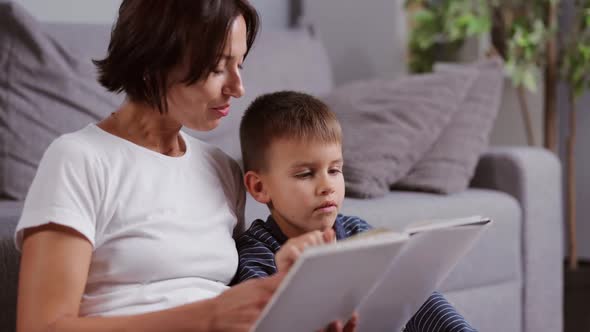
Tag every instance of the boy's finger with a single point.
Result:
(291, 257)
(335, 326)
(318, 237)
(329, 235)
(352, 323)
(294, 254)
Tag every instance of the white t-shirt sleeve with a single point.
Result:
(240, 199)
(65, 190)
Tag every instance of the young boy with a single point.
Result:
(292, 153)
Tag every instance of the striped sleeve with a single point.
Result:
(438, 315)
(256, 259)
(353, 225)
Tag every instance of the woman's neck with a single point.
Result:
(145, 126)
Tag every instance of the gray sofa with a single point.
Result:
(511, 281)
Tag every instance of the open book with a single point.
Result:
(383, 275)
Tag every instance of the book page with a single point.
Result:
(372, 233)
(425, 261)
(328, 282)
(424, 226)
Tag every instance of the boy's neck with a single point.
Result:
(288, 229)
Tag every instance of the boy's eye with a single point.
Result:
(303, 175)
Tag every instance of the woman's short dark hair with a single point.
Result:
(152, 37)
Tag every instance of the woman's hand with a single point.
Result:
(237, 309)
(292, 249)
(337, 325)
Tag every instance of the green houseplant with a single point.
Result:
(441, 27)
(575, 69)
(517, 28)
(524, 34)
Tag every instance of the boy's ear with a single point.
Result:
(255, 186)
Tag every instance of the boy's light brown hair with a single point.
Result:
(284, 115)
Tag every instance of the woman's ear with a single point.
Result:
(255, 186)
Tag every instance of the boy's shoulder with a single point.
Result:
(255, 230)
(351, 225)
(257, 235)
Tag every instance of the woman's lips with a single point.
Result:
(221, 110)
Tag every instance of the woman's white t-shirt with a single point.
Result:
(161, 227)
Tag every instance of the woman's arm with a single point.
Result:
(54, 269)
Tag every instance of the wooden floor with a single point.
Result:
(577, 299)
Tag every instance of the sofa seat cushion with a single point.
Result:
(494, 259)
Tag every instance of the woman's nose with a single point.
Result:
(234, 86)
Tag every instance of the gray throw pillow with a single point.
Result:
(389, 125)
(46, 89)
(449, 165)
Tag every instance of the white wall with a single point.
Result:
(79, 11)
(363, 39)
(509, 128)
(273, 12)
(368, 39)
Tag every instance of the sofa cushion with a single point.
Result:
(389, 125)
(46, 90)
(495, 258)
(450, 163)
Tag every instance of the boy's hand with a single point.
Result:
(292, 249)
(337, 326)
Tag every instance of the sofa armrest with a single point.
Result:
(533, 176)
(9, 264)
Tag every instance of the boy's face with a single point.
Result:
(303, 184)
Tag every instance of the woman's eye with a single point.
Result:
(335, 171)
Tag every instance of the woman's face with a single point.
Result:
(202, 105)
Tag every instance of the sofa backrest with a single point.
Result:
(48, 86)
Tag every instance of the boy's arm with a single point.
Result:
(256, 260)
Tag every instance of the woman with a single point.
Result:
(128, 223)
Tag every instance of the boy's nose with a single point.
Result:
(326, 187)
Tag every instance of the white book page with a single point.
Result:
(328, 282)
(425, 261)
(428, 225)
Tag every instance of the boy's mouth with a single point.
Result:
(328, 206)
